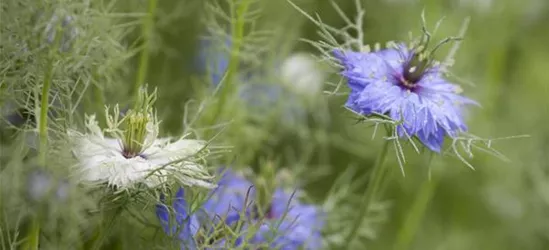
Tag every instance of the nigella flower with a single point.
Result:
(298, 76)
(409, 86)
(186, 226)
(226, 203)
(59, 28)
(135, 154)
(290, 225)
(69, 32)
(213, 59)
(230, 199)
(41, 185)
(202, 224)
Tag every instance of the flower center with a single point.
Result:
(407, 83)
(136, 125)
(414, 69)
(135, 134)
(269, 214)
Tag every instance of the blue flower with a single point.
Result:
(225, 204)
(213, 59)
(290, 224)
(407, 86)
(185, 226)
(259, 95)
(42, 185)
(230, 199)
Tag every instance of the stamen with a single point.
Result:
(135, 134)
(135, 124)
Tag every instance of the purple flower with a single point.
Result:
(408, 86)
(185, 226)
(230, 199)
(260, 95)
(42, 185)
(290, 224)
(224, 205)
(213, 59)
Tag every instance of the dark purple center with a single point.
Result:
(413, 71)
(129, 154)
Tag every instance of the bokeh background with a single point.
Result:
(502, 63)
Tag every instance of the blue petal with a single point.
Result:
(361, 69)
(163, 214)
(228, 200)
(213, 59)
(186, 225)
(431, 110)
(293, 226)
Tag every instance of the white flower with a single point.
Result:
(135, 155)
(302, 74)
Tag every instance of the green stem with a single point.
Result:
(44, 107)
(99, 235)
(146, 30)
(33, 236)
(237, 31)
(99, 103)
(376, 179)
(96, 240)
(415, 215)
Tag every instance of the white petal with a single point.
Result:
(127, 172)
(161, 154)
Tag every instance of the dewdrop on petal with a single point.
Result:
(135, 155)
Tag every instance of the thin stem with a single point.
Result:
(99, 234)
(237, 31)
(95, 241)
(99, 102)
(146, 30)
(33, 236)
(376, 179)
(409, 228)
(44, 107)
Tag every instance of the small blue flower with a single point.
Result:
(185, 226)
(290, 224)
(225, 204)
(403, 84)
(43, 185)
(230, 199)
(213, 59)
(261, 96)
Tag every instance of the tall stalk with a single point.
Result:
(33, 235)
(413, 219)
(237, 31)
(376, 179)
(146, 31)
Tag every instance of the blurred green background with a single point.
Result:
(502, 63)
(500, 205)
